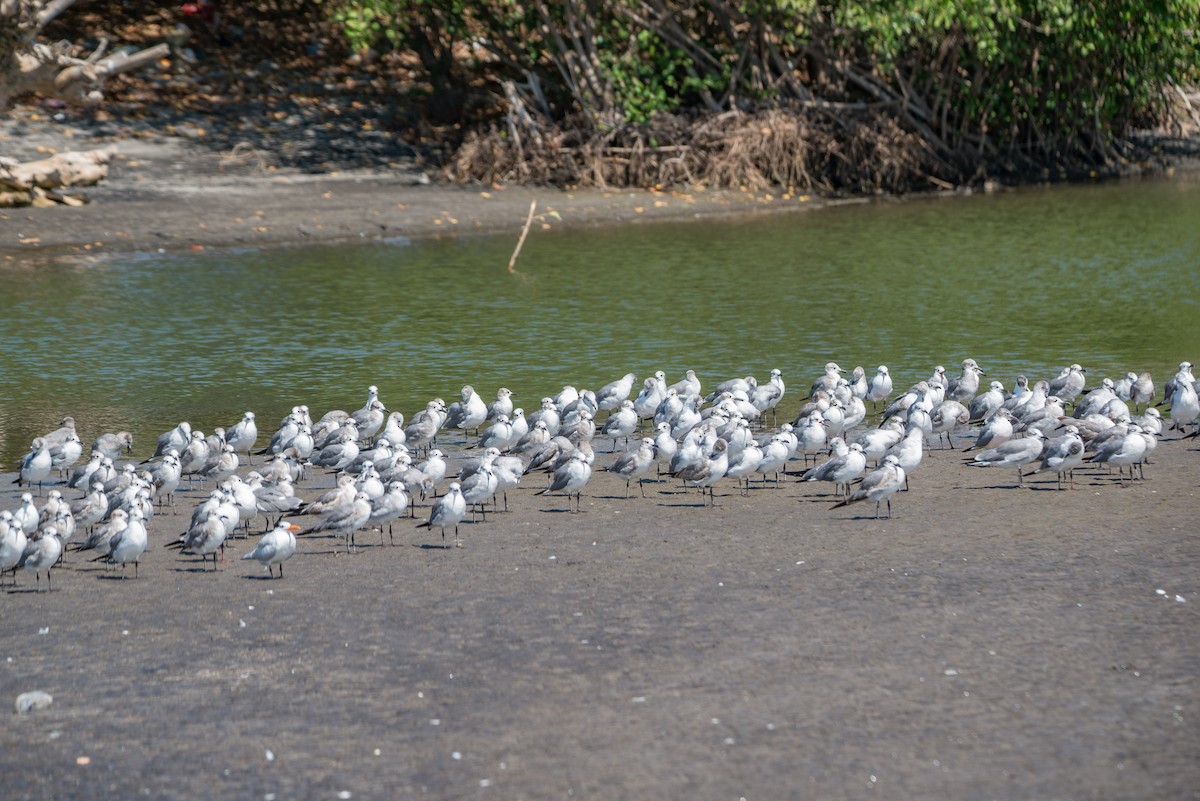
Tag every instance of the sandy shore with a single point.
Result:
(176, 193)
(987, 642)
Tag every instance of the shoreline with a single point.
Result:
(174, 193)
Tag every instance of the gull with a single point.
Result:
(499, 435)
(59, 435)
(502, 405)
(665, 445)
(1068, 385)
(42, 552)
(1062, 455)
(744, 464)
(1014, 453)
(767, 396)
(879, 485)
(345, 520)
(879, 387)
(614, 394)
(207, 536)
(570, 478)
(35, 467)
(812, 437)
(908, 451)
(1095, 400)
(338, 455)
(999, 430)
(917, 393)
(284, 435)
(330, 422)
(275, 547)
(654, 389)
(834, 418)
(731, 385)
(621, 423)
(707, 473)
(101, 536)
(449, 510)
(582, 429)
(688, 385)
(829, 381)
(1185, 404)
(858, 385)
(112, 445)
(91, 508)
(222, 466)
(937, 384)
(548, 414)
(1183, 374)
(393, 430)
(537, 436)
(166, 475)
(544, 457)
(387, 508)
(242, 435)
(876, 441)
(129, 544)
(342, 494)
(423, 427)
(194, 455)
(12, 543)
(177, 438)
(565, 397)
(508, 471)
(985, 404)
(1045, 418)
(1142, 391)
(82, 477)
(479, 487)
(775, 452)
(369, 419)
(841, 470)
(854, 413)
(964, 388)
(274, 498)
(634, 464)
(433, 468)
(26, 516)
(369, 483)
(1127, 450)
(947, 416)
(65, 453)
(1150, 422)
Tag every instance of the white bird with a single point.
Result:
(1125, 451)
(35, 467)
(177, 438)
(985, 404)
(26, 516)
(997, 431)
(707, 473)
(879, 387)
(112, 444)
(12, 543)
(369, 419)
(449, 510)
(42, 552)
(621, 423)
(635, 464)
(129, 544)
(946, 417)
(613, 394)
(570, 479)
(654, 389)
(965, 387)
(1062, 455)
(841, 470)
(879, 485)
(1014, 453)
(66, 452)
(744, 464)
(470, 413)
(499, 434)
(344, 520)
(829, 381)
(687, 386)
(1068, 385)
(502, 405)
(275, 547)
(242, 435)
(388, 508)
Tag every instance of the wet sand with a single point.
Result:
(986, 642)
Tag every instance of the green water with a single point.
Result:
(1107, 276)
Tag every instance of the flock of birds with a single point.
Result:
(383, 464)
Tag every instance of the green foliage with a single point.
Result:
(1042, 78)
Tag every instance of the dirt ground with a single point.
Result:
(988, 642)
(176, 192)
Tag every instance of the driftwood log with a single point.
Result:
(60, 70)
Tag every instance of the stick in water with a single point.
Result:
(524, 233)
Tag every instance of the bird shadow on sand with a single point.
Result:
(427, 546)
